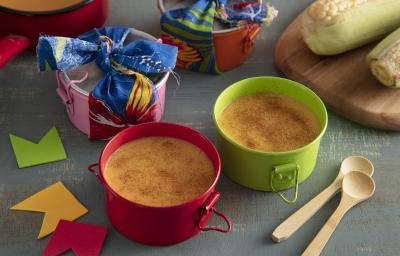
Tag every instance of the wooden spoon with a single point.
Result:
(297, 219)
(356, 187)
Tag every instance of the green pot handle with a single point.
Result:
(285, 173)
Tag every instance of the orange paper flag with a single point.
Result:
(57, 202)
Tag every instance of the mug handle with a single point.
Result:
(286, 173)
(207, 209)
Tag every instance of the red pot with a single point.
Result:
(20, 29)
(161, 225)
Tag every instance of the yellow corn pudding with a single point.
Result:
(159, 171)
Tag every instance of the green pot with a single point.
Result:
(269, 171)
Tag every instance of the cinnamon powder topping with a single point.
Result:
(159, 171)
(269, 122)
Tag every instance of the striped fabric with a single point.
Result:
(190, 29)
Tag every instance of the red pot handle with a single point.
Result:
(95, 171)
(228, 222)
(207, 209)
(11, 46)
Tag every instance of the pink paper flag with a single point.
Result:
(83, 239)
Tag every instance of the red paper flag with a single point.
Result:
(83, 239)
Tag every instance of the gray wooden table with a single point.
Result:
(29, 107)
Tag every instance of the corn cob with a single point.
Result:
(331, 27)
(384, 60)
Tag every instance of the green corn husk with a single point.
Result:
(331, 27)
(384, 60)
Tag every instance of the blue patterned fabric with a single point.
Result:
(103, 45)
(124, 95)
(242, 10)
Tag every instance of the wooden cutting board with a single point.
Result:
(344, 82)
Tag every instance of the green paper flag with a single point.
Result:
(49, 149)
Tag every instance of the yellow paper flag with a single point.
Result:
(57, 202)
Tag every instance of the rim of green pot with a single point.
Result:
(259, 152)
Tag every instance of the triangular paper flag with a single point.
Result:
(83, 239)
(57, 202)
(49, 149)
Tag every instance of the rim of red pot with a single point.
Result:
(213, 148)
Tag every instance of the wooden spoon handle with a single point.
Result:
(301, 216)
(318, 243)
